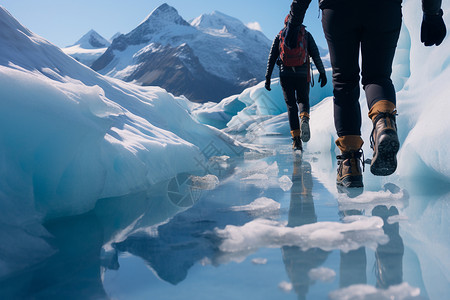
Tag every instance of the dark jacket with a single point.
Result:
(274, 58)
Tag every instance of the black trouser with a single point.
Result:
(295, 91)
(374, 27)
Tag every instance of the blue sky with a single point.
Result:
(63, 22)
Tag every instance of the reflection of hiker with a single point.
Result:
(352, 268)
(372, 28)
(299, 263)
(389, 257)
(295, 78)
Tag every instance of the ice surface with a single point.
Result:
(325, 235)
(285, 183)
(208, 182)
(260, 206)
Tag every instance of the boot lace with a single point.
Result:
(359, 155)
(379, 116)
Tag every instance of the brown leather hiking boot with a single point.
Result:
(383, 139)
(349, 173)
(304, 127)
(296, 141)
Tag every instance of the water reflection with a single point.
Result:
(172, 248)
(352, 268)
(72, 273)
(353, 264)
(299, 263)
(389, 257)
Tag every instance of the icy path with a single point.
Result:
(265, 227)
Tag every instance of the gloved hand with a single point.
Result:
(433, 29)
(267, 85)
(323, 79)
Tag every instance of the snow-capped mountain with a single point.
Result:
(92, 40)
(89, 48)
(214, 55)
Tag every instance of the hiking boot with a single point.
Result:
(383, 139)
(304, 127)
(349, 173)
(296, 141)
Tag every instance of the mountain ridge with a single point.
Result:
(227, 50)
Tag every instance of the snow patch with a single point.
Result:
(360, 292)
(322, 274)
(325, 235)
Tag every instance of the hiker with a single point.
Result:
(295, 78)
(372, 27)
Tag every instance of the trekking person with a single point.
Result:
(372, 27)
(295, 78)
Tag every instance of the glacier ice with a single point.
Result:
(362, 291)
(322, 274)
(69, 136)
(325, 235)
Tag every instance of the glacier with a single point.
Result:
(70, 136)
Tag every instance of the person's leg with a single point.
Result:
(378, 45)
(343, 31)
(378, 49)
(288, 87)
(302, 88)
(304, 108)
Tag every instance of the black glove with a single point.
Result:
(323, 79)
(267, 85)
(433, 29)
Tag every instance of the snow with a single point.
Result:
(89, 48)
(85, 56)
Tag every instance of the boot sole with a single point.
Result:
(384, 162)
(305, 132)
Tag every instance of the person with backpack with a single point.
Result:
(372, 28)
(295, 77)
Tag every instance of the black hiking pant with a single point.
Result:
(295, 91)
(372, 27)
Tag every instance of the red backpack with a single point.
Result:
(297, 56)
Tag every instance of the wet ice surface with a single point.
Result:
(268, 226)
